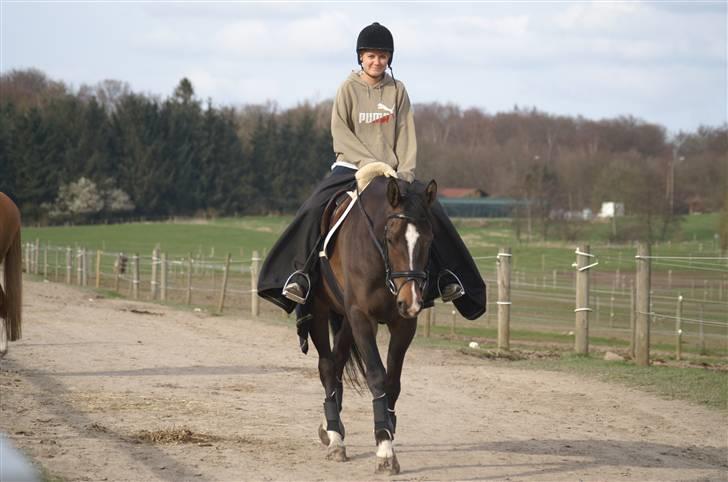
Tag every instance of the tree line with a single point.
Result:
(103, 152)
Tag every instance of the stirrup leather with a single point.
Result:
(458, 293)
(293, 296)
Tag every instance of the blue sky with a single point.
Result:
(663, 62)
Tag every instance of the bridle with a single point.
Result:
(419, 277)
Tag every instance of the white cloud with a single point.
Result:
(594, 58)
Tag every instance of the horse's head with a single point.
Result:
(408, 236)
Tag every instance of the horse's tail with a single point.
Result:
(13, 284)
(354, 368)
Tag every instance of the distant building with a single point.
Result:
(480, 207)
(696, 205)
(611, 210)
(461, 193)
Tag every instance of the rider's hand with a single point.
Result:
(406, 176)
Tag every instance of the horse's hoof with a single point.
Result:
(337, 454)
(387, 465)
(323, 436)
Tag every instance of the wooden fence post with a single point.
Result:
(57, 265)
(678, 328)
(642, 306)
(254, 267)
(69, 265)
(154, 283)
(581, 327)
(632, 311)
(36, 254)
(163, 277)
(118, 271)
(503, 264)
(85, 266)
(79, 262)
(701, 330)
(98, 268)
(189, 280)
(428, 321)
(221, 305)
(27, 258)
(45, 261)
(135, 280)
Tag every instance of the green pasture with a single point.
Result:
(483, 236)
(542, 276)
(177, 238)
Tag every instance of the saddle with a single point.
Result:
(342, 201)
(336, 211)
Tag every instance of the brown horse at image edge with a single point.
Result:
(11, 291)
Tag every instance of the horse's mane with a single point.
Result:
(365, 174)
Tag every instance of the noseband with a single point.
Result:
(419, 277)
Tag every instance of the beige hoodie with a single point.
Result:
(374, 123)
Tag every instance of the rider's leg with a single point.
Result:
(455, 270)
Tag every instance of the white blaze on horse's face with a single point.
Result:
(412, 235)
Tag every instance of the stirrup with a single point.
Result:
(457, 293)
(293, 296)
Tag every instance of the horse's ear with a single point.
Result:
(393, 195)
(431, 192)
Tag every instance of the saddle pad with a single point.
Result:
(368, 172)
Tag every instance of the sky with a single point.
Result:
(664, 62)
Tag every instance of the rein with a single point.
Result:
(419, 277)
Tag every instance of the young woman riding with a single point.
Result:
(371, 121)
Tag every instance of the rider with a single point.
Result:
(371, 121)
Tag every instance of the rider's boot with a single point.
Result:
(450, 286)
(296, 287)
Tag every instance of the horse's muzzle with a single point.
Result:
(409, 300)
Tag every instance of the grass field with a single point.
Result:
(543, 276)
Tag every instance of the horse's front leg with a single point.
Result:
(402, 332)
(331, 431)
(364, 330)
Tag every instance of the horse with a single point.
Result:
(375, 274)
(11, 292)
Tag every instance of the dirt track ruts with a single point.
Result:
(90, 376)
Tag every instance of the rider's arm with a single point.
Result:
(406, 142)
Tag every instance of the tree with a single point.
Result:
(77, 200)
(184, 91)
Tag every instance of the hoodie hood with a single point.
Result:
(356, 76)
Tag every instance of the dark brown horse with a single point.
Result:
(375, 274)
(11, 292)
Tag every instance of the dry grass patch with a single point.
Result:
(174, 435)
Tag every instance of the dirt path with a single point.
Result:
(90, 375)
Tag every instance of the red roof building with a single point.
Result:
(461, 192)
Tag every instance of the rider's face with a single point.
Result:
(374, 62)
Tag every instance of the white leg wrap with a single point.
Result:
(385, 450)
(3, 337)
(335, 439)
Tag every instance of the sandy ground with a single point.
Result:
(96, 384)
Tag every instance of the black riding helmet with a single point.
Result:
(375, 37)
